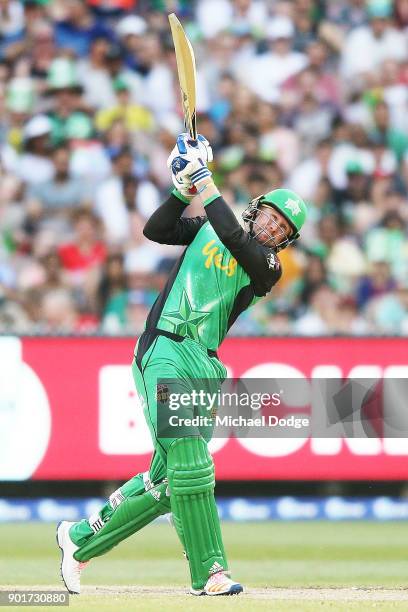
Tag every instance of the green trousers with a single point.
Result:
(181, 477)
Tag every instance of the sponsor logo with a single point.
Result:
(178, 164)
(150, 487)
(215, 258)
(95, 522)
(25, 414)
(216, 567)
(116, 498)
(156, 494)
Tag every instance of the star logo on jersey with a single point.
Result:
(293, 206)
(185, 320)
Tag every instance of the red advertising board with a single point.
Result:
(69, 410)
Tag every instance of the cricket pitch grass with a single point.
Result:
(282, 565)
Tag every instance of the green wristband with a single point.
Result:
(180, 196)
(211, 199)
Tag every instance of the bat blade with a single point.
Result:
(186, 73)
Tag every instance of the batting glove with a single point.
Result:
(187, 162)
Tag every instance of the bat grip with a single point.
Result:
(193, 138)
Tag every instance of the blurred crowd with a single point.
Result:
(308, 94)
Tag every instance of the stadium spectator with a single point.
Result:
(276, 141)
(378, 282)
(111, 204)
(34, 165)
(158, 91)
(389, 313)
(134, 117)
(58, 312)
(215, 16)
(366, 47)
(307, 175)
(62, 193)
(320, 317)
(268, 71)
(65, 92)
(315, 276)
(113, 281)
(12, 24)
(392, 137)
(78, 28)
(94, 77)
(82, 258)
(130, 30)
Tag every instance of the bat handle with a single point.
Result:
(192, 131)
(193, 138)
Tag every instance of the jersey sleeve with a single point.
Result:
(261, 263)
(166, 226)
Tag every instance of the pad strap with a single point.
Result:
(130, 515)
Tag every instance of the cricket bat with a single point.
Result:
(186, 73)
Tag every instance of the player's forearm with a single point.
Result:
(166, 227)
(221, 216)
(162, 225)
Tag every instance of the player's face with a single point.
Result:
(271, 227)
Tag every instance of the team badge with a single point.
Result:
(162, 393)
(273, 263)
(293, 206)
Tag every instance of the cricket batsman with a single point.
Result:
(223, 270)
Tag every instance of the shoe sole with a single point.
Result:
(236, 589)
(196, 593)
(62, 560)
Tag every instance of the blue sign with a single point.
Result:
(230, 509)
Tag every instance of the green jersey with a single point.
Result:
(222, 272)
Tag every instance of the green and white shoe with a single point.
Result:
(219, 584)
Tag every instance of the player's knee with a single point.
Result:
(190, 467)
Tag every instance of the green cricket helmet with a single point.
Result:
(288, 204)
